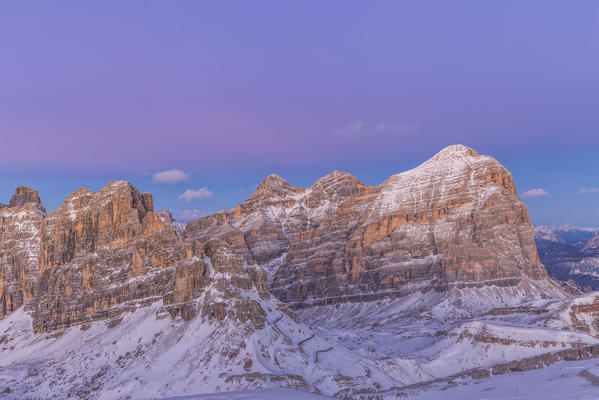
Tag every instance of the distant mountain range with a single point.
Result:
(570, 252)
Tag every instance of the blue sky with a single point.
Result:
(231, 92)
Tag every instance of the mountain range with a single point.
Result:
(570, 253)
(341, 289)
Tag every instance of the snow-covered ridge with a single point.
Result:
(549, 234)
(571, 228)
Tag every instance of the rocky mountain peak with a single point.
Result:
(142, 202)
(92, 221)
(334, 187)
(20, 224)
(272, 189)
(274, 183)
(456, 162)
(104, 253)
(166, 216)
(25, 195)
(455, 151)
(274, 178)
(334, 178)
(453, 221)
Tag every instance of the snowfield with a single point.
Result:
(575, 380)
(260, 394)
(347, 351)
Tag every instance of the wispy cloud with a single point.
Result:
(189, 214)
(535, 193)
(199, 194)
(359, 128)
(169, 176)
(588, 190)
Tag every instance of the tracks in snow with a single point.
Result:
(304, 341)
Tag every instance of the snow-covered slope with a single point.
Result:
(149, 355)
(577, 380)
(422, 328)
(256, 394)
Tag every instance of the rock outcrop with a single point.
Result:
(166, 216)
(25, 195)
(20, 224)
(101, 254)
(454, 221)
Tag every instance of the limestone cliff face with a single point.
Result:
(264, 226)
(99, 253)
(166, 216)
(20, 224)
(25, 195)
(453, 221)
(104, 253)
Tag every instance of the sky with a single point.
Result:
(221, 94)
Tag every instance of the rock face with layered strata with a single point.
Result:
(25, 195)
(20, 223)
(263, 227)
(105, 253)
(166, 216)
(454, 221)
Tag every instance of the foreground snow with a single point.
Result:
(564, 381)
(261, 394)
(344, 351)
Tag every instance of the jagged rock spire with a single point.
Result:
(25, 195)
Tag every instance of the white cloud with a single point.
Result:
(588, 190)
(367, 128)
(170, 176)
(199, 194)
(535, 193)
(189, 214)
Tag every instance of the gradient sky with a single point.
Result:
(229, 92)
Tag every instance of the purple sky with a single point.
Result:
(229, 92)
